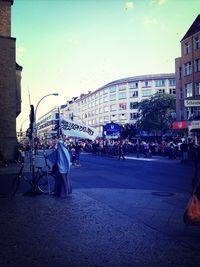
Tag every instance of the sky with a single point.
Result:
(75, 46)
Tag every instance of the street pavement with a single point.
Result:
(90, 228)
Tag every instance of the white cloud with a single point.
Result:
(20, 51)
(129, 5)
(150, 21)
(162, 2)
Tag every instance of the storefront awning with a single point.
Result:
(178, 125)
(194, 126)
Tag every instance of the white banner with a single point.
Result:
(74, 129)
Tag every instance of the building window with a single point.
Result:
(106, 118)
(197, 64)
(180, 73)
(133, 94)
(181, 93)
(197, 88)
(112, 97)
(172, 82)
(105, 99)
(122, 95)
(100, 100)
(106, 109)
(122, 116)
(186, 48)
(112, 89)
(146, 84)
(160, 83)
(105, 91)
(133, 105)
(187, 68)
(133, 85)
(146, 92)
(188, 89)
(160, 91)
(196, 42)
(122, 106)
(113, 107)
(96, 111)
(100, 110)
(134, 116)
(172, 91)
(122, 87)
(113, 117)
(101, 119)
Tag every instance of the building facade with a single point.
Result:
(10, 84)
(118, 101)
(188, 78)
(47, 125)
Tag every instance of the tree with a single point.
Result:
(156, 113)
(128, 131)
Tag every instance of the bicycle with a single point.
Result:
(42, 182)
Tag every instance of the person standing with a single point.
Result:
(120, 151)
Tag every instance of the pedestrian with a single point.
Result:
(120, 151)
(60, 159)
(77, 153)
(73, 156)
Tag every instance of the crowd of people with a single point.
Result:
(172, 149)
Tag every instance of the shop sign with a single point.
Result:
(194, 125)
(192, 103)
(179, 125)
(112, 130)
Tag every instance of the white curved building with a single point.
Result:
(118, 101)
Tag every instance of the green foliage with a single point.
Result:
(128, 131)
(156, 113)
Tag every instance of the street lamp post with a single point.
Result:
(33, 191)
(21, 129)
(35, 128)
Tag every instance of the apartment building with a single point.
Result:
(118, 101)
(188, 78)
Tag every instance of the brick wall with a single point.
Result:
(7, 97)
(5, 18)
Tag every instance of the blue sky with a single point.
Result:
(75, 46)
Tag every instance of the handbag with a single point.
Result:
(192, 213)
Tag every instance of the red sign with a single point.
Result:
(179, 125)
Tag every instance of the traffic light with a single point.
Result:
(32, 114)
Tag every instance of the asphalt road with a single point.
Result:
(121, 213)
(159, 174)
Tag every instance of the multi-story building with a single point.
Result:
(118, 101)
(47, 125)
(10, 84)
(188, 78)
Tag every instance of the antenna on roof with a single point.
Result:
(29, 96)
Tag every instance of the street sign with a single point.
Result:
(112, 130)
(192, 103)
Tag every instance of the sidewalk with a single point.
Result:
(97, 227)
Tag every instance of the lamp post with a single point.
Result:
(21, 129)
(35, 128)
(33, 191)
